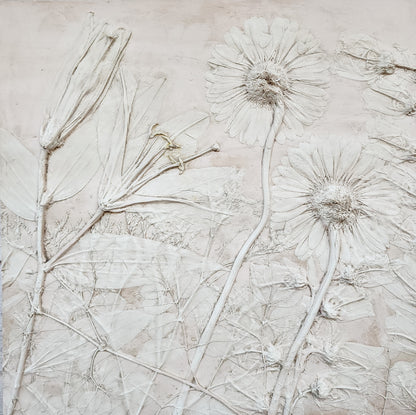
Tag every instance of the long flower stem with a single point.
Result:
(40, 280)
(219, 306)
(306, 325)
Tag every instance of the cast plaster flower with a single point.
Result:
(321, 388)
(361, 57)
(369, 273)
(394, 96)
(346, 304)
(272, 355)
(86, 84)
(392, 140)
(265, 68)
(347, 389)
(364, 58)
(333, 185)
(133, 171)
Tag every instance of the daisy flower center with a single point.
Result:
(335, 204)
(265, 84)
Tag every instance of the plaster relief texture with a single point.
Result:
(207, 207)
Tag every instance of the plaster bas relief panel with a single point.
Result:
(208, 207)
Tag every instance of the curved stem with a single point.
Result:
(40, 280)
(219, 306)
(307, 324)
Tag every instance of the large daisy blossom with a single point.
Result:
(335, 185)
(262, 69)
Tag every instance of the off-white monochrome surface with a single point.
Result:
(208, 207)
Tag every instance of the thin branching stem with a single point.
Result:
(307, 322)
(50, 264)
(106, 349)
(219, 306)
(36, 300)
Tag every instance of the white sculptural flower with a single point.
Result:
(136, 161)
(333, 185)
(265, 68)
(364, 58)
(85, 85)
(321, 388)
(394, 96)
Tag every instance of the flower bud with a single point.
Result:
(321, 388)
(86, 83)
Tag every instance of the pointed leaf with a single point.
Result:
(73, 165)
(120, 261)
(194, 184)
(18, 176)
(122, 327)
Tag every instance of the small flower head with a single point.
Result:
(272, 355)
(331, 308)
(321, 388)
(327, 347)
(349, 275)
(265, 69)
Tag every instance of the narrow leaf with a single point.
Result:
(193, 184)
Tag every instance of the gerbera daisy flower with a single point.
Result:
(262, 69)
(333, 185)
(333, 199)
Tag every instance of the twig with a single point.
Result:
(40, 279)
(50, 264)
(107, 349)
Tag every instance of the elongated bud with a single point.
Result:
(86, 83)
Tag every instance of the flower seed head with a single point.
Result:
(335, 204)
(265, 84)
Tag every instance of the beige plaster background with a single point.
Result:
(174, 39)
